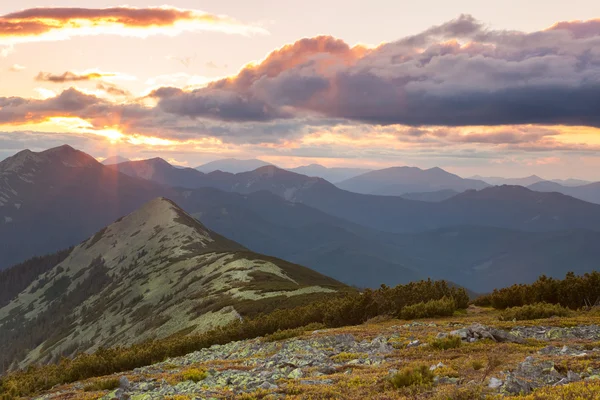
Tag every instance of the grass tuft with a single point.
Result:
(412, 376)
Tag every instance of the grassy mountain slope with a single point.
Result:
(153, 273)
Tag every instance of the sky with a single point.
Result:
(494, 88)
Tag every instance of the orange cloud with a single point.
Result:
(71, 77)
(56, 23)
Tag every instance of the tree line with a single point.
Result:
(574, 292)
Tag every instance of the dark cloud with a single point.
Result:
(112, 89)
(459, 73)
(17, 111)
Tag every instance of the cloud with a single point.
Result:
(456, 74)
(71, 77)
(60, 23)
(112, 89)
(16, 68)
(18, 110)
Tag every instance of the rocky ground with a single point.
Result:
(544, 359)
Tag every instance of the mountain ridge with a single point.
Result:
(396, 181)
(151, 273)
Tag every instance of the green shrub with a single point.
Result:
(103, 384)
(477, 364)
(534, 311)
(291, 333)
(443, 307)
(449, 342)
(412, 376)
(193, 374)
(573, 292)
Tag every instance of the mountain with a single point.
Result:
(589, 192)
(61, 204)
(432, 197)
(333, 175)
(571, 182)
(498, 181)
(301, 219)
(151, 274)
(397, 181)
(54, 199)
(483, 258)
(114, 160)
(160, 171)
(232, 165)
(510, 207)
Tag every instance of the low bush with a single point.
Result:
(193, 374)
(477, 365)
(573, 292)
(412, 376)
(103, 384)
(292, 333)
(534, 311)
(443, 307)
(449, 342)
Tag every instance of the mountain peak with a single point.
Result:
(156, 222)
(27, 162)
(68, 156)
(115, 160)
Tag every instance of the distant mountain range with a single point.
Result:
(589, 192)
(55, 199)
(151, 274)
(497, 181)
(236, 166)
(232, 165)
(397, 181)
(529, 181)
(333, 175)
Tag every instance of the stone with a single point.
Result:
(124, 383)
(436, 366)
(495, 383)
(296, 374)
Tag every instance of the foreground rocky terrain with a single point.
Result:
(468, 356)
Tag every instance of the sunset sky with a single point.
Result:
(503, 88)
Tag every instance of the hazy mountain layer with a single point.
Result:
(333, 175)
(397, 181)
(232, 165)
(588, 192)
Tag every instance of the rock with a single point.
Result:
(327, 370)
(478, 331)
(413, 343)
(495, 383)
(267, 386)
(436, 366)
(316, 382)
(296, 374)
(124, 383)
(531, 375)
(442, 380)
